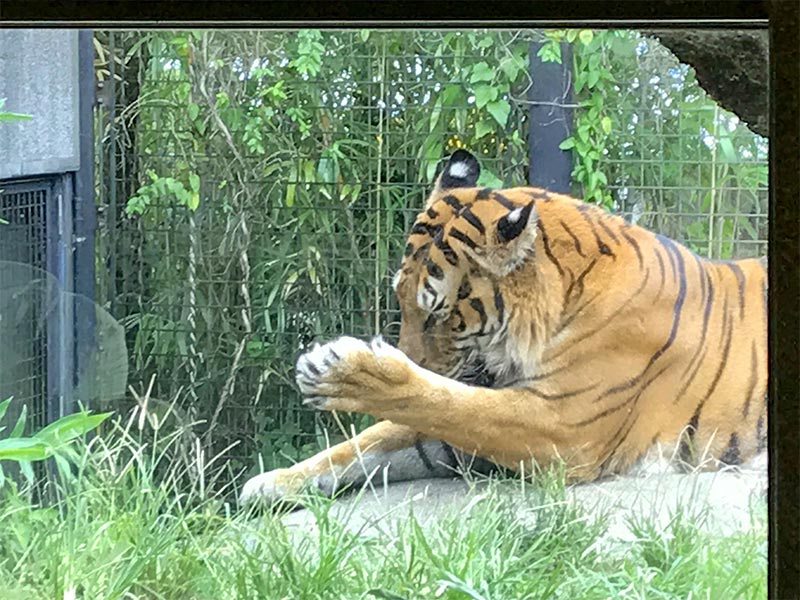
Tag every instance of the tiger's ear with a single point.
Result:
(512, 225)
(510, 243)
(461, 171)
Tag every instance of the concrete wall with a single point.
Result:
(39, 76)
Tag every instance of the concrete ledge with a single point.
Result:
(721, 503)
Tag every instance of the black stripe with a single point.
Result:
(539, 195)
(470, 217)
(601, 245)
(447, 250)
(432, 213)
(448, 449)
(421, 250)
(429, 322)
(465, 289)
(737, 271)
(732, 456)
(686, 449)
(426, 284)
(635, 245)
(462, 325)
(627, 426)
(620, 405)
(574, 239)
(463, 238)
(499, 305)
(524, 380)
(562, 395)
(498, 197)
(453, 202)
(707, 287)
(477, 306)
(579, 282)
(409, 249)
(677, 308)
(547, 251)
(568, 321)
(728, 329)
(605, 228)
(483, 193)
(753, 378)
(423, 456)
(419, 228)
(605, 323)
(434, 270)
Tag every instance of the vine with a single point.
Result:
(593, 124)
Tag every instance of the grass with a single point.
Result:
(135, 519)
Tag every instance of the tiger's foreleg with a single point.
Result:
(507, 426)
(385, 451)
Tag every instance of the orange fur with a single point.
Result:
(535, 326)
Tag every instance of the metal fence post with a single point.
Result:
(84, 215)
(550, 99)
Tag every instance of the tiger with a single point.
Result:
(537, 330)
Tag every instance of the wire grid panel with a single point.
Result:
(307, 180)
(679, 164)
(23, 240)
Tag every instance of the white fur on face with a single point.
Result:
(515, 214)
(396, 280)
(459, 170)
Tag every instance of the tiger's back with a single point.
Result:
(640, 342)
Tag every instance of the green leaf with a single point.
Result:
(481, 72)
(452, 95)
(70, 427)
(194, 182)
(586, 36)
(500, 110)
(511, 66)
(483, 127)
(484, 94)
(726, 147)
(193, 111)
(435, 114)
(364, 33)
(567, 144)
(27, 470)
(193, 201)
(605, 123)
(4, 407)
(20, 424)
(486, 41)
(489, 179)
(19, 449)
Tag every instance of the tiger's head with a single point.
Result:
(453, 277)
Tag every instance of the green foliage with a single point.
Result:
(53, 440)
(140, 520)
(161, 189)
(646, 139)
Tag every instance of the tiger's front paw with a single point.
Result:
(272, 486)
(349, 374)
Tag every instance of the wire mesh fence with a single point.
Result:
(256, 188)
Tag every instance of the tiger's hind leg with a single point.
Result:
(385, 451)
